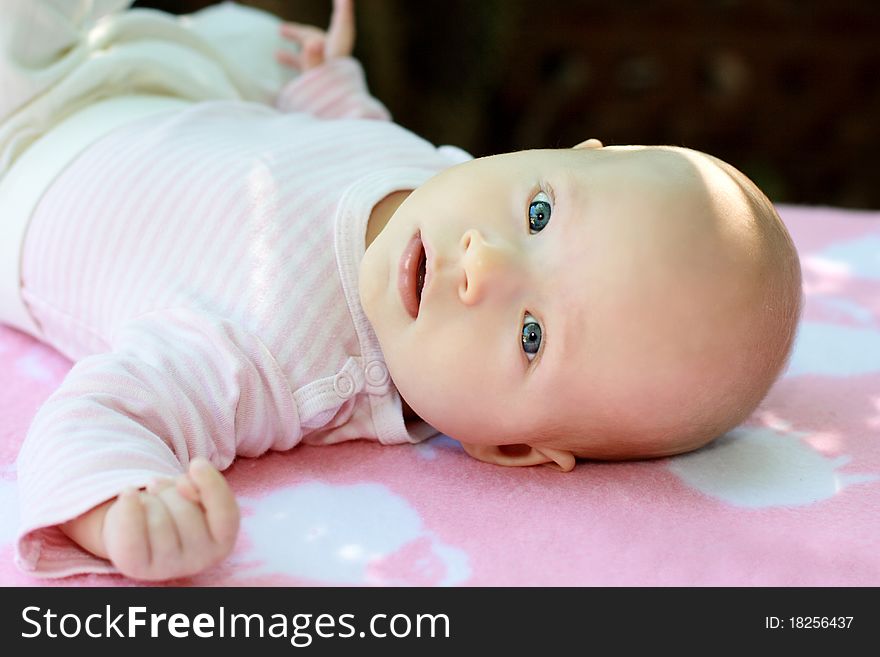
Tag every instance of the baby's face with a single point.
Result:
(561, 285)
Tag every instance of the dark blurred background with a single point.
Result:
(786, 90)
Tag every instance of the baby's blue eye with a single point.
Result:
(539, 212)
(531, 336)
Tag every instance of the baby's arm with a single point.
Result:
(332, 83)
(175, 528)
(177, 384)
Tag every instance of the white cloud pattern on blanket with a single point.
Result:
(759, 467)
(861, 255)
(847, 308)
(33, 366)
(346, 534)
(834, 349)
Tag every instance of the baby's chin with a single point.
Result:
(369, 287)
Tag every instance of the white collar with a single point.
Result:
(349, 231)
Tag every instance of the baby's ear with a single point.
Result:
(522, 455)
(589, 143)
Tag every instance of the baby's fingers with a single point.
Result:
(165, 545)
(340, 35)
(311, 54)
(197, 546)
(125, 534)
(298, 33)
(221, 509)
(289, 59)
(187, 488)
(158, 484)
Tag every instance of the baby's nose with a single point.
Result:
(487, 267)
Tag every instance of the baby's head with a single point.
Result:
(595, 302)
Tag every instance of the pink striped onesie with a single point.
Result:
(200, 266)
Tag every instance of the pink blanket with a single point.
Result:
(791, 498)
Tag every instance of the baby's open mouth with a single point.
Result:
(412, 274)
(420, 280)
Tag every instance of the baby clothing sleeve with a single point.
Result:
(176, 384)
(35, 38)
(58, 56)
(337, 89)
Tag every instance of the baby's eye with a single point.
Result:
(539, 212)
(531, 336)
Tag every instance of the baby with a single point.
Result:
(233, 277)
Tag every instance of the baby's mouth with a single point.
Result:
(412, 274)
(420, 279)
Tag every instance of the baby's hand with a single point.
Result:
(317, 46)
(175, 528)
